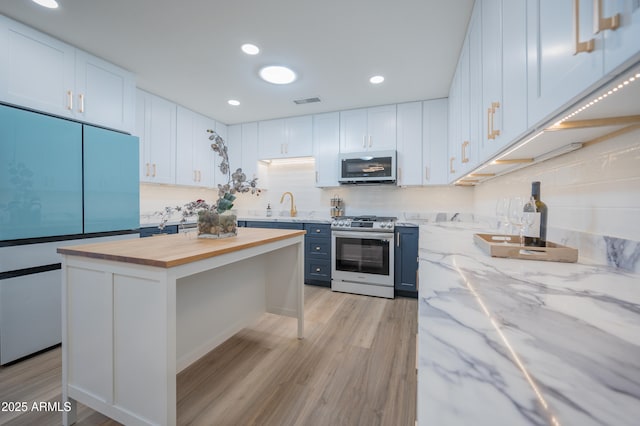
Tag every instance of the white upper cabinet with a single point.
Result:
(285, 138)
(409, 144)
(326, 145)
(434, 141)
(105, 93)
(156, 128)
(194, 157)
(368, 129)
(623, 43)
(75, 85)
(504, 74)
(563, 67)
(250, 150)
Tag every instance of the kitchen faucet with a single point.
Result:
(293, 210)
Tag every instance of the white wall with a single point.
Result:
(594, 190)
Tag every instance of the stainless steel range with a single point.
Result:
(363, 260)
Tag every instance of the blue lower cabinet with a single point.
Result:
(317, 254)
(149, 231)
(406, 261)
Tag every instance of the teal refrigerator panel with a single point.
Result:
(111, 181)
(40, 175)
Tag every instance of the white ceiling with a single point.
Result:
(188, 51)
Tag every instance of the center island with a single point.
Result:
(137, 312)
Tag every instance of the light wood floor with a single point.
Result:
(356, 366)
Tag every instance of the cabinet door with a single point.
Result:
(326, 146)
(557, 74)
(186, 174)
(271, 139)
(353, 130)
(111, 186)
(36, 71)
(40, 175)
(409, 146)
(622, 44)
(250, 150)
(156, 128)
(435, 141)
(299, 136)
(471, 151)
(381, 125)
(105, 93)
(454, 125)
(406, 259)
(203, 156)
(492, 105)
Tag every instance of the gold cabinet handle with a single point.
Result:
(610, 23)
(81, 102)
(147, 171)
(451, 160)
(426, 174)
(489, 130)
(69, 100)
(581, 46)
(465, 144)
(494, 107)
(154, 170)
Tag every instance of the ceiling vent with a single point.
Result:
(306, 101)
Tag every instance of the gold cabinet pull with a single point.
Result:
(147, 170)
(69, 100)
(154, 170)
(610, 23)
(426, 174)
(81, 102)
(465, 144)
(489, 130)
(494, 107)
(195, 176)
(451, 160)
(581, 46)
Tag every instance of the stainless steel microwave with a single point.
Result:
(368, 167)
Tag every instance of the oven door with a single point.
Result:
(363, 257)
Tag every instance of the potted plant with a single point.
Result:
(216, 220)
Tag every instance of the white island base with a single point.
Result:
(131, 322)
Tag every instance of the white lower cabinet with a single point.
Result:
(326, 146)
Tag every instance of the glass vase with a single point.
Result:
(212, 224)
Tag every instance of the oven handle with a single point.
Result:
(364, 235)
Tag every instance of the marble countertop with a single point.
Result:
(520, 342)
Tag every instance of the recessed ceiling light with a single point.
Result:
(277, 74)
(51, 4)
(376, 79)
(233, 102)
(250, 49)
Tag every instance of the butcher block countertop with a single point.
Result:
(167, 251)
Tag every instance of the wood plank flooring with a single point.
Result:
(356, 366)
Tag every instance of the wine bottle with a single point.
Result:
(536, 234)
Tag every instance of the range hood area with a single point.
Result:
(611, 110)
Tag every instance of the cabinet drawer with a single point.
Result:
(318, 247)
(318, 269)
(318, 229)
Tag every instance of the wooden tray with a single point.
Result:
(509, 246)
